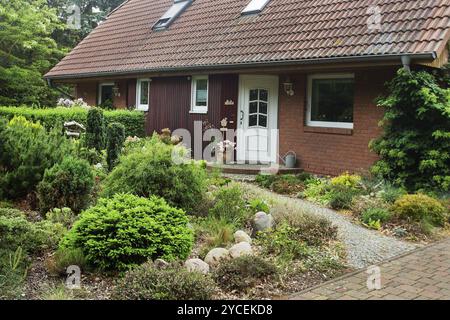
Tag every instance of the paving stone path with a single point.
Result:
(423, 274)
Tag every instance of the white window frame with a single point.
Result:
(194, 107)
(139, 106)
(100, 86)
(255, 6)
(325, 124)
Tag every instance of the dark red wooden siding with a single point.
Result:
(170, 103)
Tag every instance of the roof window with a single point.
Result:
(255, 6)
(174, 11)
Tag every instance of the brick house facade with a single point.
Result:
(308, 71)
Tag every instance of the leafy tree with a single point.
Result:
(92, 13)
(27, 51)
(415, 146)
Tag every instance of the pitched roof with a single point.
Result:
(213, 33)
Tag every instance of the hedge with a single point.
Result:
(133, 121)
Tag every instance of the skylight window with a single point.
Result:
(174, 11)
(255, 6)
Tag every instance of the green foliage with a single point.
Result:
(283, 184)
(346, 180)
(391, 193)
(126, 230)
(341, 196)
(27, 51)
(230, 205)
(26, 151)
(68, 184)
(317, 190)
(244, 272)
(134, 121)
(213, 232)
(63, 258)
(146, 282)
(376, 214)
(151, 170)
(420, 208)
(258, 205)
(64, 216)
(115, 139)
(415, 145)
(95, 130)
(285, 242)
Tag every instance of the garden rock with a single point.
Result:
(241, 236)
(241, 249)
(216, 255)
(262, 222)
(161, 264)
(197, 265)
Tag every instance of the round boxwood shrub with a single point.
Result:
(147, 282)
(127, 230)
(153, 169)
(68, 184)
(420, 208)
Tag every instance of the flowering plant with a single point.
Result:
(68, 103)
(225, 146)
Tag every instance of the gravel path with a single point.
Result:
(364, 247)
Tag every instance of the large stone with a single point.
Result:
(197, 265)
(262, 222)
(215, 256)
(241, 249)
(241, 236)
(160, 264)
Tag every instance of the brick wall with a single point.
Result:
(88, 92)
(333, 151)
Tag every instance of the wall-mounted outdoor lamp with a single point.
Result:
(116, 90)
(289, 87)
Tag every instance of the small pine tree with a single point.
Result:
(115, 140)
(95, 129)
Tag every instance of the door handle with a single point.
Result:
(242, 116)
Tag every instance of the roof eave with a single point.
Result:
(428, 56)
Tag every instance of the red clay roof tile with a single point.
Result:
(213, 32)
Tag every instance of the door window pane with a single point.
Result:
(253, 95)
(107, 94)
(263, 107)
(263, 121)
(258, 108)
(253, 121)
(253, 107)
(263, 95)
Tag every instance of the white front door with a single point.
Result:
(257, 136)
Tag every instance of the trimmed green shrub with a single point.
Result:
(420, 208)
(134, 121)
(26, 151)
(376, 214)
(229, 205)
(115, 139)
(415, 146)
(151, 170)
(146, 282)
(126, 230)
(95, 130)
(244, 272)
(68, 184)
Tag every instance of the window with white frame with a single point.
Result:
(330, 100)
(199, 94)
(142, 94)
(106, 93)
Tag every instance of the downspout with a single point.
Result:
(406, 61)
(51, 85)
